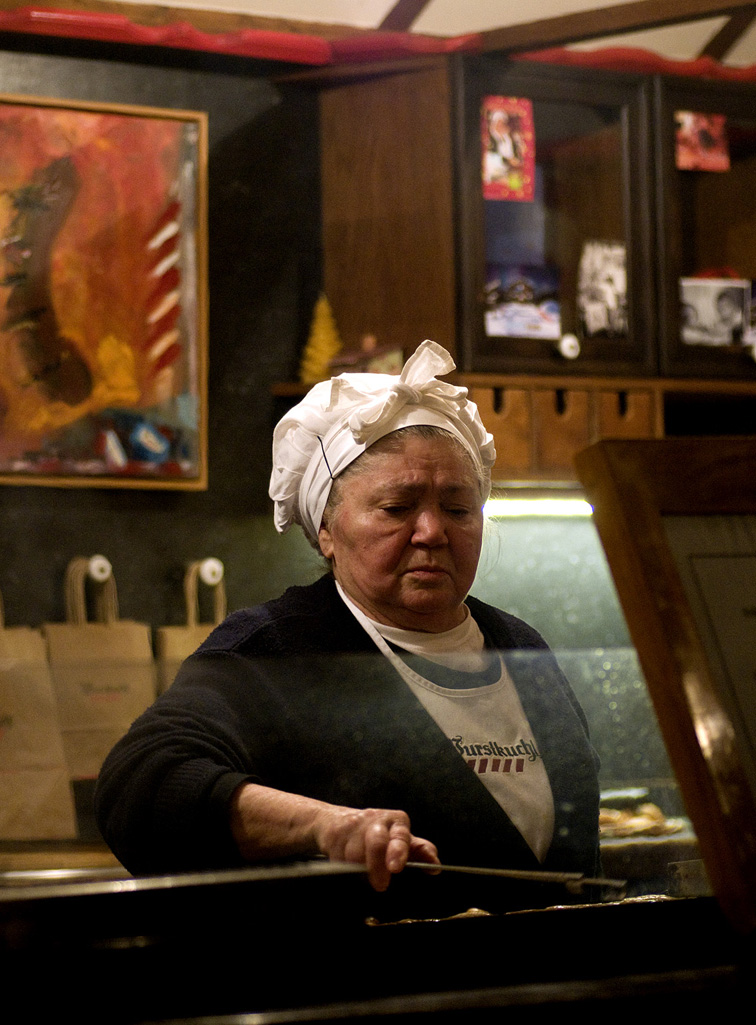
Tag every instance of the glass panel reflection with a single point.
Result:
(553, 573)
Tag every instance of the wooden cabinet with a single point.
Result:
(405, 245)
(576, 244)
(388, 206)
(540, 423)
(706, 223)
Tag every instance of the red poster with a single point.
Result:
(701, 142)
(508, 148)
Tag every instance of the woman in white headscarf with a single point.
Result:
(381, 715)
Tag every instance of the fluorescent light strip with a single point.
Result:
(497, 508)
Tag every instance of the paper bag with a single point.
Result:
(175, 643)
(36, 800)
(103, 671)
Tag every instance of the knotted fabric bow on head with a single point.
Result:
(338, 419)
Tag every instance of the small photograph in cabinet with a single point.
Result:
(602, 290)
(522, 302)
(508, 148)
(701, 142)
(714, 311)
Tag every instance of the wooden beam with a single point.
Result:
(730, 34)
(547, 32)
(606, 21)
(157, 15)
(403, 15)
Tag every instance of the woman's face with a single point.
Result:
(404, 539)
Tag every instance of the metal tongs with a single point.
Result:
(573, 881)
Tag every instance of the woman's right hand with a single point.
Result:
(378, 838)
(268, 823)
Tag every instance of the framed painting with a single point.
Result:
(677, 520)
(103, 295)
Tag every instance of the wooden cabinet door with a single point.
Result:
(576, 245)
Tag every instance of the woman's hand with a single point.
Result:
(268, 823)
(376, 837)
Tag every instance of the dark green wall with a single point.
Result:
(264, 276)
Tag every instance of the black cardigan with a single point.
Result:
(293, 694)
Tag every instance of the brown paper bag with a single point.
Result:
(103, 671)
(175, 643)
(36, 800)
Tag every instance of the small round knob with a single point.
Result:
(211, 572)
(569, 346)
(99, 569)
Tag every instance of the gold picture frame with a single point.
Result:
(677, 520)
(103, 295)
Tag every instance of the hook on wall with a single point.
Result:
(99, 569)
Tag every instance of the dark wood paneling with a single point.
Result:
(388, 208)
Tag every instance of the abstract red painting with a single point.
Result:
(102, 294)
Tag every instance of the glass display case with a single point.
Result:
(554, 237)
(552, 572)
(706, 215)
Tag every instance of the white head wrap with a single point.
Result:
(338, 419)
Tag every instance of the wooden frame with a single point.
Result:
(677, 519)
(703, 216)
(103, 306)
(614, 154)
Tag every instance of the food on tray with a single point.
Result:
(645, 819)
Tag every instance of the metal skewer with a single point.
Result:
(574, 881)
